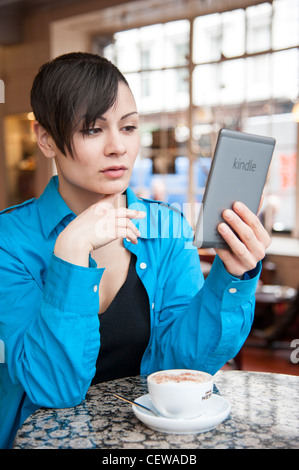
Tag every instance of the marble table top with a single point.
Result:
(264, 414)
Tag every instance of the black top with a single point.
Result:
(124, 330)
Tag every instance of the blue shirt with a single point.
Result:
(49, 323)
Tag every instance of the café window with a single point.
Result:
(243, 75)
(258, 28)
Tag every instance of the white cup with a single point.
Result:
(180, 393)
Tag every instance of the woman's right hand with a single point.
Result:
(97, 226)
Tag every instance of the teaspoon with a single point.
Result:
(136, 404)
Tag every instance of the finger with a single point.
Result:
(241, 256)
(127, 224)
(244, 231)
(104, 207)
(253, 222)
(123, 212)
(109, 228)
(246, 244)
(128, 234)
(236, 245)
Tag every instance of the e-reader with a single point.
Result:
(238, 172)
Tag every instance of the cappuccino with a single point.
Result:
(180, 393)
(180, 377)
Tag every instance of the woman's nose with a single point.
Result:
(115, 145)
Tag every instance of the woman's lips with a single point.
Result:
(114, 171)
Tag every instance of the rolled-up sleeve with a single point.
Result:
(234, 301)
(201, 324)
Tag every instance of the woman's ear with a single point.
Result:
(44, 141)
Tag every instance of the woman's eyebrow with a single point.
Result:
(127, 115)
(102, 118)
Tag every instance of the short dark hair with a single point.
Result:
(72, 88)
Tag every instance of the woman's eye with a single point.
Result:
(130, 129)
(92, 131)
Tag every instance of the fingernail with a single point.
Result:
(238, 206)
(222, 228)
(227, 214)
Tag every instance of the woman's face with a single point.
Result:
(104, 155)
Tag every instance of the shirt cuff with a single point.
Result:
(72, 288)
(232, 291)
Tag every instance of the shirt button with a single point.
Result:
(153, 306)
(142, 265)
(95, 288)
(232, 290)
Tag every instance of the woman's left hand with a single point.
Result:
(247, 250)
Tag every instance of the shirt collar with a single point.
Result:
(52, 207)
(132, 198)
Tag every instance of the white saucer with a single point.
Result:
(216, 411)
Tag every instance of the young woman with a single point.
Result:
(97, 284)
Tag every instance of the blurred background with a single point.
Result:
(194, 66)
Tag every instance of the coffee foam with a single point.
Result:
(179, 378)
